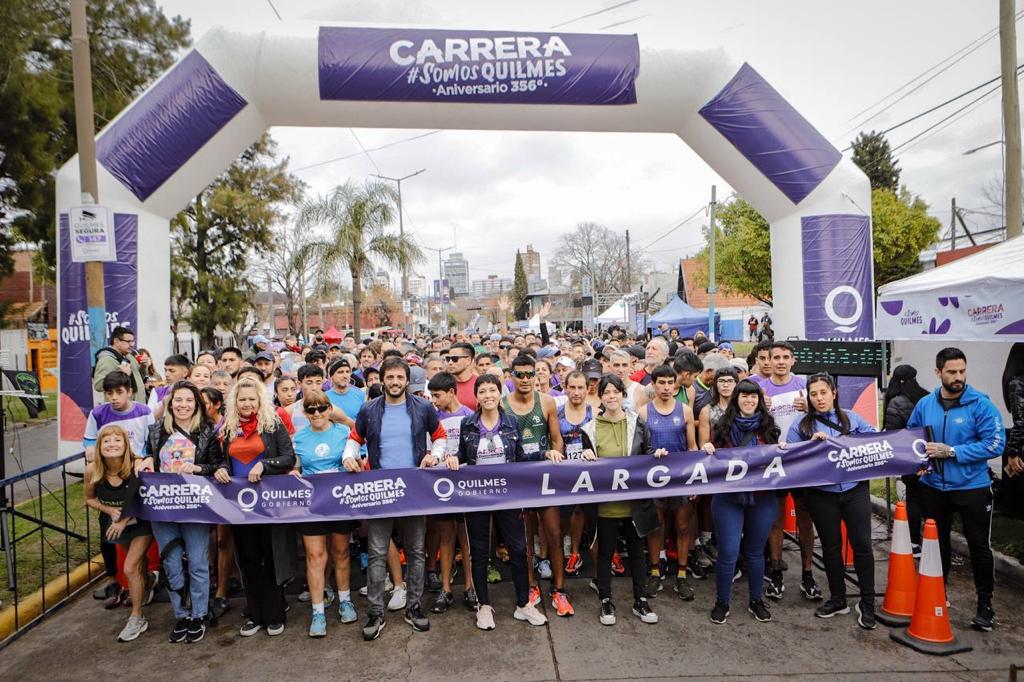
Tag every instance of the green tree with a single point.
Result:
(213, 237)
(357, 218)
(520, 290)
(872, 154)
(131, 42)
(743, 257)
(901, 229)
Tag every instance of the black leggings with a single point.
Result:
(828, 511)
(510, 524)
(264, 598)
(608, 531)
(975, 509)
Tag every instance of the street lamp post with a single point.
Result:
(401, 232)
(440, 281)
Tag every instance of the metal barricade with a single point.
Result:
(48, 549)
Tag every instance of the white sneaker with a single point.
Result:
(530, 614)
(398, 598)
(387, 587)
(485, 617)
(136, 625)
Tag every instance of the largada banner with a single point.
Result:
(510, 67)
(404, 492)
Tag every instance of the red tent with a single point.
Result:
(332, 335)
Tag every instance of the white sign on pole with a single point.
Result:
(92, 234)
(406, 306)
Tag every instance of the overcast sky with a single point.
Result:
(492, 192)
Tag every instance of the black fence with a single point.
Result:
(48, 543)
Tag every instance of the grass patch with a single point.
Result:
(18, 413)
(38, 563)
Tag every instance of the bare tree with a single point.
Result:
(291, 270)
(599, 252)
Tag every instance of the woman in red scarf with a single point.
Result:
(256, 444)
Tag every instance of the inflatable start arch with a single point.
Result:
(220, 97)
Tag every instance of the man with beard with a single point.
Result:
(967, 432)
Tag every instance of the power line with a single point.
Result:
(270, 2)
(947, 118)
(953, 118)
(626, 21)
(360, 143)
(594, 14)
(675, 227)
(360, 153)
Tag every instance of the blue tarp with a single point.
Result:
(687, 319)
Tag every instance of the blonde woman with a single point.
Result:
(183, 442)
(256, 443)
(109, 482)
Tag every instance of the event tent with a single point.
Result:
(977, 298)
(680, 315)
(615, 314)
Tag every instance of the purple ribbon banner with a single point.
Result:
(411, 492)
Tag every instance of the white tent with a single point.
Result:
(977, 298)
(616, 314)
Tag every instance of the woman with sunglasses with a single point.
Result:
(319, 450)
(832, 505)
(722, 388)
(491, 435)
(742, 520)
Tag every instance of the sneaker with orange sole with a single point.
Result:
(573, 564)
(534, 596)
(617, 567)
(560, 602)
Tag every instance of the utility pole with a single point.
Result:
(952, 224)
(85, 131)
(401, 233)
(629, 269)
(1011, 115)
(440, 285)
(712, 289)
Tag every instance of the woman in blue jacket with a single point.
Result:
(832, 505)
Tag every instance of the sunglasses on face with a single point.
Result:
(318, 409)
(524, 375)
(504, 346)
(455, 358)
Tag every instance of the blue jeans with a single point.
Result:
(749, 524)
(196, 539)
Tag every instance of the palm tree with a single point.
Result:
(358, 217)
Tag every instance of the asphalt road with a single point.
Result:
(684, 644)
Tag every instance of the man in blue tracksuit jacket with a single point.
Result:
(968, 431)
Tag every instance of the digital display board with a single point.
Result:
(840, 358)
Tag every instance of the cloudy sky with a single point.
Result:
(489, 193)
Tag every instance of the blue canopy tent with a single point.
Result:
(684, 317)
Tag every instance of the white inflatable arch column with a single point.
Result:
(193, 122)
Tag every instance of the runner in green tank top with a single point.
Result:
(537, 416)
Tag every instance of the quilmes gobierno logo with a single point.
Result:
(844, 323)
(445, 488)
(249, 498)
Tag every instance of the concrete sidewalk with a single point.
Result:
(79, 643)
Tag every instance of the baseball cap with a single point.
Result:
(566, 362)
(706, 347)
(740, 364)
(547, 352)
(495, 337)
(725, 345)
(260, 339)
(637, 352)
(592, 369)
(417, 379)
(414, 359)
(263, 355)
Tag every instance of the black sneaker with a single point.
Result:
(775, 585)
(373, 627)
(983, 618)
(196, 630)
(433, 582)
(653, 586)
(180, 631)
(683, 589)
(642, 610)
(218, 607)
(249, 628)
(915, 550)
(809, 588)
(106, 591)
(443, 602)
(719, 613)
(607, 615)
(759, 611)
(414, 617)
(469, 599)
(694, 569)
(866, 615)
(833, 607)
(275, 629)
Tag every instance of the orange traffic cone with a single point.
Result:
(790, 523)
(898, 606)
(930, 631)
(847, 548)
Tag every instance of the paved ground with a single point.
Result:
(79, 643)
(28, 447)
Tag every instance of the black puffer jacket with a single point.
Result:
(209, 455)
(897, 413)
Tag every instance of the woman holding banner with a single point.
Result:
(742, 519)
(184, 443)
(255, 444)
(832, 505)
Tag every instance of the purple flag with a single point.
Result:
(502, 67)
(403, 492)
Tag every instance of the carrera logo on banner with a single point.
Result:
(424, 65)
(375, 494)
(986, 314)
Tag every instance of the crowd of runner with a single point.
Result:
(477, 400)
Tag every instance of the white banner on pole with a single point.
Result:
(92, 234)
